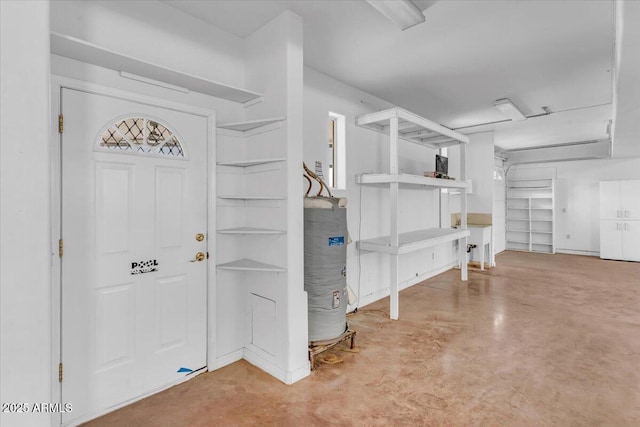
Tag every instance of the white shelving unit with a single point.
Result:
(398, 124)
(530, 213)
(244, 175)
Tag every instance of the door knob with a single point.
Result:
(199, 257)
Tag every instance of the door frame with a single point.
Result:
(57, 84)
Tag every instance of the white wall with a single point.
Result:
(368, 211)
(25, 282)
(577, 193)
(480, 152)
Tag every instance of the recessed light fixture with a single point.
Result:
(509, 109)
(403, 13)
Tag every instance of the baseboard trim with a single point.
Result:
(577, 252)
(227, 359)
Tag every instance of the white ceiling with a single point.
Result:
(467, 54)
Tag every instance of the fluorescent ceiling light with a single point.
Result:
(509, 110)
(404, 13)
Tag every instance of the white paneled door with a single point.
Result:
(134, 217)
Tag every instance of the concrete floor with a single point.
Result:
(539, 340)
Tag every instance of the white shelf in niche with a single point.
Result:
(90, 53)
(251, 127)
(250, 230)
(245, 264)
(253, 162)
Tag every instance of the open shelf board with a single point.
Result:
(253, 162)
(412, 128)
(381, 178)
(250, 230)
(413, 240)
(249, 128)
(82, 50)
(256, 197)
(249, 125)
(245, 264)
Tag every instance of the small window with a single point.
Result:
(141, 135)
(337, 150)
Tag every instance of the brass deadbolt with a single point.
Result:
(199, 237)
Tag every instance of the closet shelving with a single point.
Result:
(400, 124)
(241, 210)
(530, 213)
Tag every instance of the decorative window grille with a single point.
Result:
(141, 135)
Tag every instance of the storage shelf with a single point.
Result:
(255, 197)
(249, 125)
(413, 241)
(518, 241)
(254, 162)
(397, 124)
(519, 231)
(412, 128)
(527, 197)
(381, 178)
(249, 265)
(250, 230)
(537, 194)
(90, 53)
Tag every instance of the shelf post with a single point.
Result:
(463, 213)
(394, 238)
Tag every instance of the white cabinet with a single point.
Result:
(402, 124)
(610, 239)
(631, 240)
(620, 220)
(530, 218)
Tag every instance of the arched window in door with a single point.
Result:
(141, 135)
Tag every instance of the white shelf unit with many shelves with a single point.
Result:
(400, 124)
(530, 215)
(249, 194)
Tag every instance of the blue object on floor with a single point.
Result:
(184, 370)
